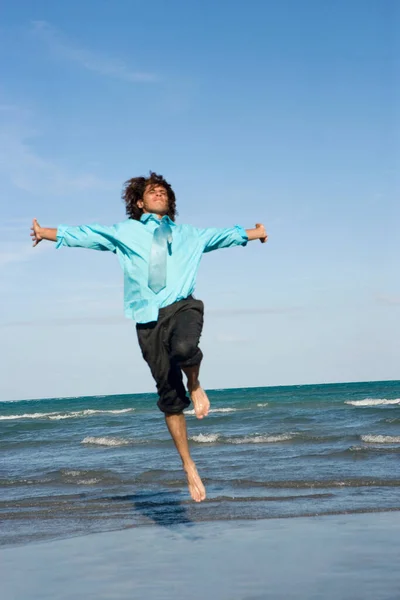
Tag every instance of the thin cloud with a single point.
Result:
(11, 253)
(26, 169)
(92, 286)
(65, 48)
(32, 173)
(67, 322)
(115, 320)
(388, 300)
(13, 226)
(8, 108)
(228, 312)
(226, 338)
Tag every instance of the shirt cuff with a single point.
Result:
(60, 235)
(244, 238)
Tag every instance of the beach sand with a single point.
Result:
(341, 557)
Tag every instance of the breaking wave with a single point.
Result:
(261, 439)
(58, 416)
(211, 438)
(213, 410)
(107, 441)
(373, 402)
(206, 438)
(381, 439)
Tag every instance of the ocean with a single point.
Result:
(73, 466)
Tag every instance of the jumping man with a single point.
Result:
(160, 260)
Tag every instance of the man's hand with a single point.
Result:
(263, 236)
(258, 233)
(36, 233)
(42, 233)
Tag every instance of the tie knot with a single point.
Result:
(164, 231)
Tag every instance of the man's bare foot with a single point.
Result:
(200, 401)
(196, 487)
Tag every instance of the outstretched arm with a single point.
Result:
(95, 237)
(213, 238)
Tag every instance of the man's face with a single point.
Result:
(155, 200)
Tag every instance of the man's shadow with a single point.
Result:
(162, 508)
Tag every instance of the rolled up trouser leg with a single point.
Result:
(170, 343)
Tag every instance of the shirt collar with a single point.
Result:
(147, 216)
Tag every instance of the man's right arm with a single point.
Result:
(94, 237)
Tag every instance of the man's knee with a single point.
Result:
(184, 350)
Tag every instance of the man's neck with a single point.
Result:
(159, 216)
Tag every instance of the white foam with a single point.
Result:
(373, 402)
(26, 416)
(261, 439)
(57, 416)
(88, 412)
(213, 410)
(261, 404)
(381, 439)
(87, 481)
(106, 441)
(64, 416)
(206, 438)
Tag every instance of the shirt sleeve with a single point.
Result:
(213, 238)
(94, 237)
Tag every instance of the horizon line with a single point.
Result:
(255, 387)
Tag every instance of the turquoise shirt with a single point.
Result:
(131, 241)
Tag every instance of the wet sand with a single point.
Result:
(341, 557)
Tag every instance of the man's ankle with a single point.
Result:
(193, 385)
(188, 464)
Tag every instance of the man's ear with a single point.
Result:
(139, 203)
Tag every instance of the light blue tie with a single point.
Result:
(158, 257)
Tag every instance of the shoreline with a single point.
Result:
(170, 524)
(346, 556)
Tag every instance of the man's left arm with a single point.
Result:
(214, 239)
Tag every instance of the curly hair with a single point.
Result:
(134, 189)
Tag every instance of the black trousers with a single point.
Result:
(169, 344)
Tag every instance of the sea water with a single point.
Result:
(71, 466)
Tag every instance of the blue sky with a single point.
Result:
(282, 113)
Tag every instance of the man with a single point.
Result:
(160, 260)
